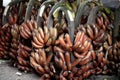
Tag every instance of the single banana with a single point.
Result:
(29, 24)
(41, 32)
(67, 37)
(78, 36)
(47, 36)
(36, 46)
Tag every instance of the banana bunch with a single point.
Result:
(112, 51)
(41, 62)
(81, 50)
(79, 68)
(44, 38)
(100, 64)
(71, 69)
(23, 57)
(98, 36)
(114, 56)
(26, 29)
(102, 21)
(68, 69)
(5, 39)
(13, 14)
(82, 44)
(15, 41)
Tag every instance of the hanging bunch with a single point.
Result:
(5, 40)
(26, 29)
(15, 41)
(41, 61)
(24, 47)
(11, 14)
(60, 39)
(71, 56)
(24, 57)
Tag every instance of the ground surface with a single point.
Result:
(8, 72)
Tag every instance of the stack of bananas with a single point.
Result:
(15, 41)
(26, 29)
(43, 42)
(44, 38)
(41, 62)
(5, 40)
(53, 47)
(98, 36)
(24, 48)
(114, 56)
(74, 59)
(23, 57)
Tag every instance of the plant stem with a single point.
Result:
(29, 9)
(41, 11)
(116, 24)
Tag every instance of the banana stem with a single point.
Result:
(29, 9)
(50, 20)
(20, 12)
(92, 16)
(41, 11)
(116, 25)
(79, 13)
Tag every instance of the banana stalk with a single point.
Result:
(50, 21)
(41, 11)
(92, 16)
(116, 25)
(29, 8)
(69, 17)
(79, 13)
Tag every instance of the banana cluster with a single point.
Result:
(114, 56)
(13, 15)
(102, 21)
(5, 39)
(15, 41)
(26, 29)
(98, 36)
(73, 59)
(41, 62)
(100, 64)
(79, 68)
(23, 57)
(44, 38)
